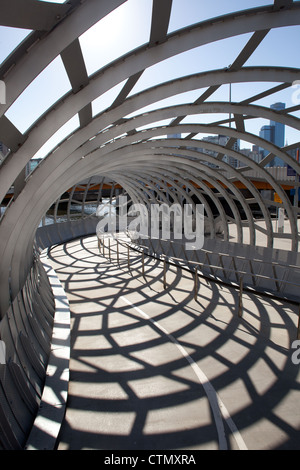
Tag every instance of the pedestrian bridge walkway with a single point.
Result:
(154, 366)
(151, 346)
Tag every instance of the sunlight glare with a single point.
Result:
(124, 29)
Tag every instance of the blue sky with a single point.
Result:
(132, 21)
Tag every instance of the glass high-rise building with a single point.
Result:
(279, 132)
(275, 133)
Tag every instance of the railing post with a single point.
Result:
(234, 265)
(128, 258)
(196, 283)
(143, 263)
(165, 274)
(117, 250)
(99, 245)
(240, 311)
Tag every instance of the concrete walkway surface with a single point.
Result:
(156, 369)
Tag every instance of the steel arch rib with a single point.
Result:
(24, 214)
(238, 156)
(164, 113)
(74, 103)
(29, 148)
(180, 41)
(93, 169)
(11, 227)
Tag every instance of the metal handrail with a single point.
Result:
(235, 271)
(216, 267)
(166, 259)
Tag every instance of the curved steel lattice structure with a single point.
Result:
(156, 155)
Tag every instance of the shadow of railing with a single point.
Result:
(130, 385)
